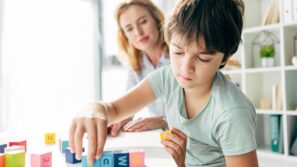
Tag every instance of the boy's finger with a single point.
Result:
(92, 141)
(179, 133)
(101, 136)
(71, 135)
(78, 139)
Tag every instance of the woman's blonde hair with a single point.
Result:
(133, 54)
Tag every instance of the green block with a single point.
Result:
(15, 159)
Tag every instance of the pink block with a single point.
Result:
(19, 143)
(41, 160)
(136, 158)
(2, 160)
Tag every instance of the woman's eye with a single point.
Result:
(143, 21)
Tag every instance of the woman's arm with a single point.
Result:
(95, 119)
(244, 160)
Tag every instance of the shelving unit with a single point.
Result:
(257, 81)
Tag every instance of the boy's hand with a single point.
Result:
(93, 121)
(143, 124)
(176, 144)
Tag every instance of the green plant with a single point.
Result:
(267, 51)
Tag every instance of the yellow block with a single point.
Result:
(163, 134)
(50, 138)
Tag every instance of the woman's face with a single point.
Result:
(140, 27)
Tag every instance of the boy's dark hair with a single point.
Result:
(219, 22)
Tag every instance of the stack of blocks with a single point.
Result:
(41, 160)
(131, 158)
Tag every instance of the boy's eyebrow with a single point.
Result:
(136, 20)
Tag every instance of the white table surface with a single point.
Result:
(155, 154)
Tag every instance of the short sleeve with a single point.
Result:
(235, 131)
(157, 81)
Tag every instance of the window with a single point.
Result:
(49, 50)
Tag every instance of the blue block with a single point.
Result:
(64, 145)
(121, 159)
(84, 161)
(106, 159)
(70, 157)
(2, 147)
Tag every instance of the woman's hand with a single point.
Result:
(92, 121)
(143, 124)
(116, 128)
(176, 144)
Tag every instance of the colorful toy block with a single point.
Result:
(84, 161)
(19, 143)
(70, 157)
(63, 144)
(15, 159)
(14, 148)
(50, 138)
(136, 158)
(121, 159)
(2, 160)
(41, 160)
(163, 134)
(2, 147)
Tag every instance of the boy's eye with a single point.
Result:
(178, 53)
(203, 60)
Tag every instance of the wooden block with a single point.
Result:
(70, 157)
(50, 138)
(136, 158)
(19, 143)
(63, 144)
(121, 159)
(2, 147)
(14, 148)
(15, 159)
(163, 134)
(84, 161)
(41, 160)
(107, 159)
(2, 160)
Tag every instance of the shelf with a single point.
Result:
(288, 68)
(232, 71)
(271, 27)
(292, 113)
(266, 69)
(269, 112)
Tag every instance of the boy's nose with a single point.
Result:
(187, 66)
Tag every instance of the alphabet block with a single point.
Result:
(2, 160)
(136, 158)
(121, 159)
(70, 157)
(15, 159)
(163, 134)
(41, 160)
(84, 161)
(19, 143)
(2, 147)
(63, 144)
(50, 138)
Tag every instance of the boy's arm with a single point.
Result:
(97, 116)
(244, 160)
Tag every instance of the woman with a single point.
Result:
(142, 42)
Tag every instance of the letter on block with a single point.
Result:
(106, 159)
(163, 134)
(15, 159)
(70, 157)
(41, 160)
(63, 144)
(2, 160)
(136, 158)
(121, 159)
(2, 147)
(19, 143)
(50, 138)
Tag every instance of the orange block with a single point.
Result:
(2, 160)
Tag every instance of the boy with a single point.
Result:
(213, 123)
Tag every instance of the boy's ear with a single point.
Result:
(223, 63)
